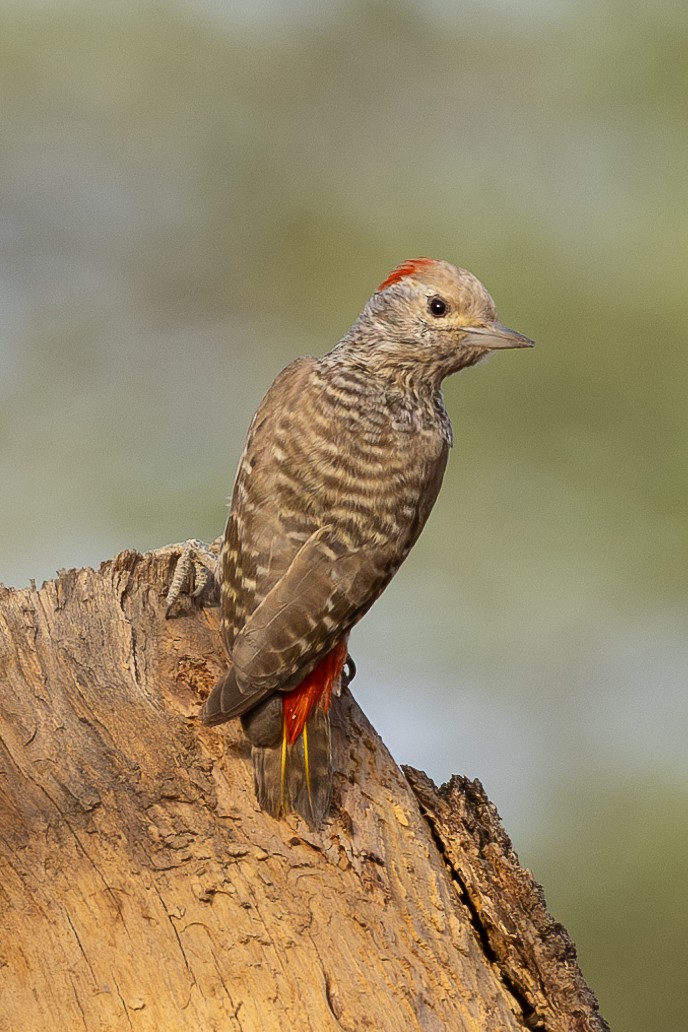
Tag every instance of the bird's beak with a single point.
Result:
(495, 335)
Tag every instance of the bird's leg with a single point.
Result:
(196, 569)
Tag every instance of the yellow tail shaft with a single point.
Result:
(296, 778)
(284, 763)
(283, 771)
(307, 764)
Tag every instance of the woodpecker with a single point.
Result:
(342, 464)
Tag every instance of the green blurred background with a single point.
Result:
(195, 193)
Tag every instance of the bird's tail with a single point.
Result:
(296, 777)
(290, 735)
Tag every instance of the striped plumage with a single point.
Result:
(342, 464)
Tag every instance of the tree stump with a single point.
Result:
(143, 889)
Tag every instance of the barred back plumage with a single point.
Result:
(342, 464)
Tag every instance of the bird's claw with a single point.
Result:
(348, 671)
(195, 569)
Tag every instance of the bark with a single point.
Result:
(142, 888)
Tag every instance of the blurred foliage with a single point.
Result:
(193, 194)
(630, 928)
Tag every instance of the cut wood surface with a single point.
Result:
(142, 888)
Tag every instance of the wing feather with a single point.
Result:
(325, 509)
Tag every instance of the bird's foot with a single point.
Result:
(196, 571)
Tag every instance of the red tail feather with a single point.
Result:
(313, 690)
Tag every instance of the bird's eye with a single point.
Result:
(437, 306)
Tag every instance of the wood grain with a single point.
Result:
(142, 888)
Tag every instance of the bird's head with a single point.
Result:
(429, 319)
